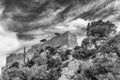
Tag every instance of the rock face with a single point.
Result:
(67, 39)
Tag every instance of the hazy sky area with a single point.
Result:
(25, 22)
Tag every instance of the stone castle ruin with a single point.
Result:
(66, 39)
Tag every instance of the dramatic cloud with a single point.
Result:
(7, 40)
(8, 43)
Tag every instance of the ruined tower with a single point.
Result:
(65, 39)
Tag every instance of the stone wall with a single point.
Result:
(15, 58)
(67, 39)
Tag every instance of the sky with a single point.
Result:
(25, 22)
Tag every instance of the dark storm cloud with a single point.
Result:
(91, 14)
(35, 8)
(106, 13)
(19, 27)
(25, 5)
(118, 18)
(64, 2)
(23, 36)
(29, 7)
